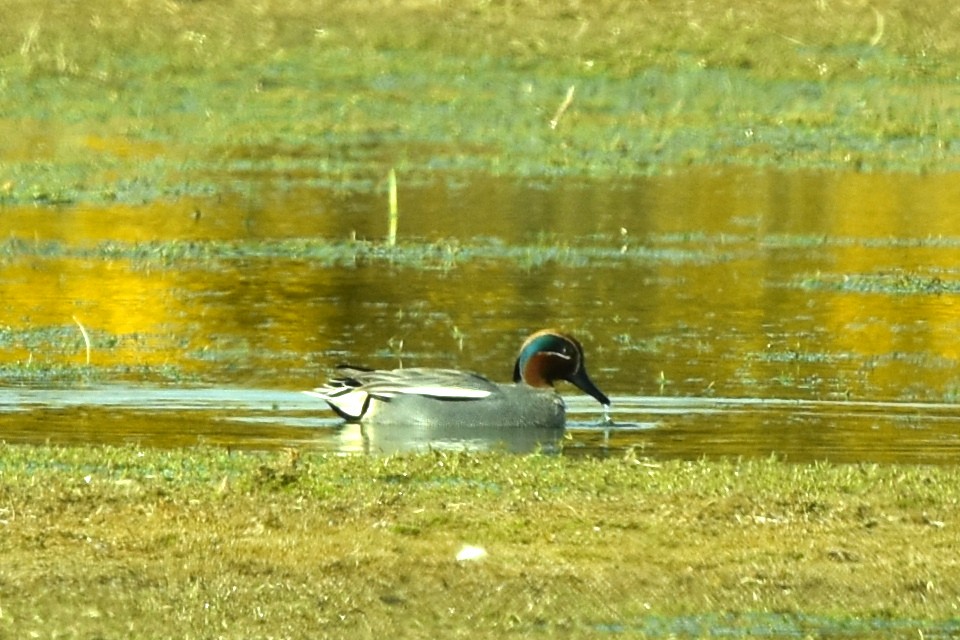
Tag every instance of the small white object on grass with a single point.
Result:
(469, 552)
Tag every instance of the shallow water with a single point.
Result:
(660, 427)
(726, 312)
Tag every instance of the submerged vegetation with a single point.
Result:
(115, 542)
(893, 283)
(448, 253)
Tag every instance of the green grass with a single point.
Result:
(141, 101)
(112, 542)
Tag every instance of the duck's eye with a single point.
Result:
(566, 351)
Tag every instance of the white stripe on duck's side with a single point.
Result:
(352, 392)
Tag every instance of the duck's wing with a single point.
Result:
(349, 393)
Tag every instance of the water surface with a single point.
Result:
(726, 311)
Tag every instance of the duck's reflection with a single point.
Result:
(391, 439)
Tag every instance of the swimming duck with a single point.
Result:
(420, 396)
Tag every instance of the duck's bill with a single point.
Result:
(586, 385)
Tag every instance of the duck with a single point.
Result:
(453, 398)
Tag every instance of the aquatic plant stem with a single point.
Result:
(567, 100)
(86, 337)
(394, 215)
(878, 33)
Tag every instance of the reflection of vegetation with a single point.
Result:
(136, 101)
(114, 542)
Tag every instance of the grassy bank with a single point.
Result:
(117, 543)
(137, 101)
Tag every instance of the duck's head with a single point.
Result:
(550, 355)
